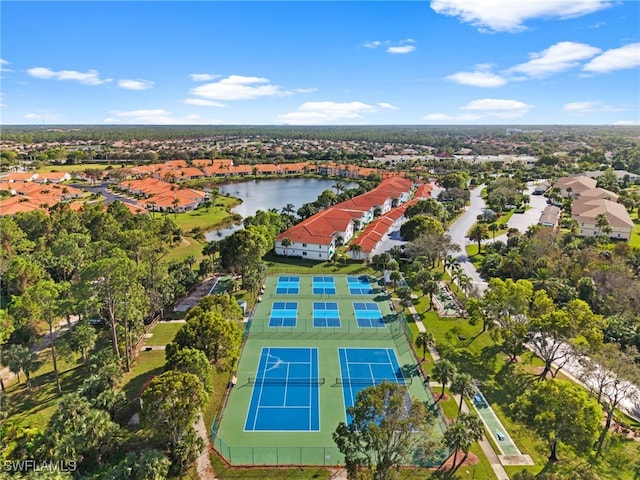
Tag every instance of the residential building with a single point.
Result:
(318, 236)
(587, 215)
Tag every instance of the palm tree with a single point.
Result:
(493, 228)
(286, 243)
(443, 372)
(462, 384)
(465, 283)
(430, 287)
(356, 249)
(211, 248)
(425, 340)
(462, 434)
(478, 233)
(21, 359)
(601, 222)
(289, 209)
(450, 262)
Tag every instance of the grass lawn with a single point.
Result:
(74, 168)
(188, 247)
(207, 220)
(635, 234)
(476, 353)
(34, 408)
(276, 264)
(163, 333)
(147, 365)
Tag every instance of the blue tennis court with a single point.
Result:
(285, 391)
(288, 286)
(324, 286)
(326, 314)
(363, 367)
(283, 314)
(359, 286)
(368, 315)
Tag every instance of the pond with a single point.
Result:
(265, 194)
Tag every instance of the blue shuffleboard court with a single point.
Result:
(326, 314)
(368, 315)
(283, 314)
(288, 286)
(324, 286)
(363, 367)
(359, 286)
(285, 391)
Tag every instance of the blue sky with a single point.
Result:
(321, 62)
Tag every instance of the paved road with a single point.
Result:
(522, 221)
(101, 189)
(458, 231)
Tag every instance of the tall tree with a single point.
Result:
(386, 428)
(425, 340)
(462, 384)
(211, 333)
(83, 338)
(462, 434)
(443, 371)
(169, 408)
(478, 233)
(612, 375)
(45, 295)
(191, 360)
(113, 286)
(560, 411)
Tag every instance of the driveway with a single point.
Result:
(537, 203)
(458, 232)
(101, 189)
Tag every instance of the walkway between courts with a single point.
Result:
(487, 449)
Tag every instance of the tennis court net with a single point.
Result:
(286, 381)
(371, 381)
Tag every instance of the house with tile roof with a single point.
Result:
(20, 177)
(575, 185)
(587, 213)
(317, 237)
(52, 177)
(550, 216)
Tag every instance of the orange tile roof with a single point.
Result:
(175, 163)
(52, 176)
(20, 176)
(201, 162)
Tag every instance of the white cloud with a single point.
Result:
(203, 77)
(388, 106)
(483, 109)
(3, 105)
(401, 49)
(481, 77)
(201, 102)
(627, 122)
(499, 107)
(91, 77)
(238, 87)
(510, 15)
(615, 59)
(156, 116)
(581, 108)
(135, 84)
(393, 47)
(558, 57)
(315, 113)
(4, 62)
(45, 117)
